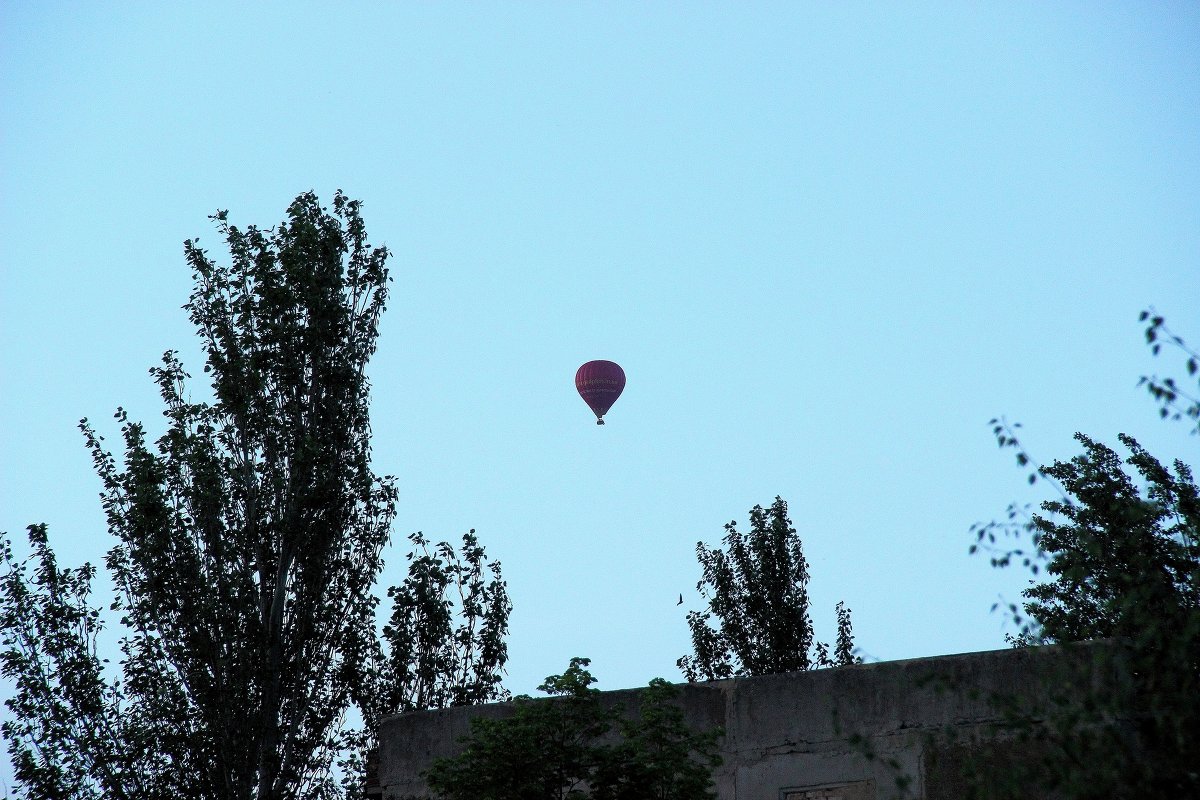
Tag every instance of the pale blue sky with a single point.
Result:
(826, 242)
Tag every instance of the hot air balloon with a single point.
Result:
(600, 384)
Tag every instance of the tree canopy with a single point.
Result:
(1119, 551)
(248, 541)
(572, 746)
(757, 621)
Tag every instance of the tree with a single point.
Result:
(658, 757)
(1122, 552)
(1175, 402)
(1121, 549)
(249, 538)
(757, 592)
(563, 748)
(444, 643)
(1124, 565)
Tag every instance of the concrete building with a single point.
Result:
(789, 736)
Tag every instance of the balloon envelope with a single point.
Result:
(600, 383)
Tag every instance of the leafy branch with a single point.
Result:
(1174, 401)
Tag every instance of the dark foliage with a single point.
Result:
(1121, 551)
(1120, 716)
(757, 621)
(444, 644)
(1174, 401)
(248, 538)
(445, 638)
(1125, 565)
(248, 542)
(573, 746)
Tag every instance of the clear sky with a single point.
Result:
(827, 242)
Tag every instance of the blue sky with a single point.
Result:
(826, 242)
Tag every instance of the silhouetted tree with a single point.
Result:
(248, 542)
(573, 746)
(757, 593)
(1175, 402)
(1124, 565)
(444, 644)
(1121, 550)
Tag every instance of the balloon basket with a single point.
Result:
(599, 422)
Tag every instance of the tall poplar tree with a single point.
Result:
(249, 538)
(757, 621)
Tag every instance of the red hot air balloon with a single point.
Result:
(600, 384)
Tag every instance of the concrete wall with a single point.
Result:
(786, 736)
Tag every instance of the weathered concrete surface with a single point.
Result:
(787, 737)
